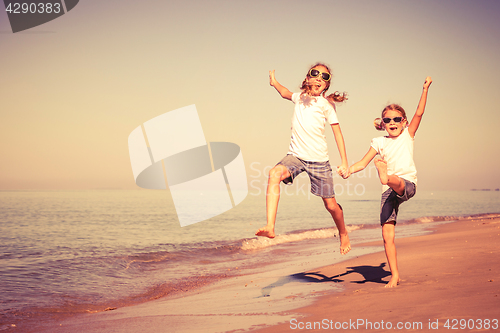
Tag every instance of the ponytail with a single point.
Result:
(379, 124)
(337, 97)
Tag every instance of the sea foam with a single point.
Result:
(263, 242)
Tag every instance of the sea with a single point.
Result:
(64, 253)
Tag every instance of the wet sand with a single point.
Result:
(450, 274)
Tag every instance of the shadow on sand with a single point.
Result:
(373, 274)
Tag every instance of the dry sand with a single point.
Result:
(452, 273)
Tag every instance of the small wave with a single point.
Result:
(430, 219)
(6, 327)
(263, 242)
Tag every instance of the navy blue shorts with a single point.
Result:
(391, 200)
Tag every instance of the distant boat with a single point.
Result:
(485, 189)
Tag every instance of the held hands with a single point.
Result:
(343, 171)
(427, 83)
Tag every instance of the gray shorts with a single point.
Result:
(320, 174)
(391, 200)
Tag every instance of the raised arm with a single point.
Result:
(415, 121)
(343, 169)
(358, 166)
(284, 92)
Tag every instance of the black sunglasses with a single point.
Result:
(325, 76)
(396, 119)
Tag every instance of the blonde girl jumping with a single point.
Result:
(396, 169)
(308, 148)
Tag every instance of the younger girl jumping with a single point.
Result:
(396, 169)
(308, 148)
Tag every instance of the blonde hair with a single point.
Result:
(379, 124)
(336, 97)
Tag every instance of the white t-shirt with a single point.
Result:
(398, 153)
(308, 141)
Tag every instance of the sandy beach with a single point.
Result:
(450, 278)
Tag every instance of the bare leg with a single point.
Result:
(393, 181)
(276, 175)
(338, 217)
(388, 234)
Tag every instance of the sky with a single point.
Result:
(73, 89)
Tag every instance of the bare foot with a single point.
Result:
(393, 282)
(345, 244)
(382, 170)
(266, 232)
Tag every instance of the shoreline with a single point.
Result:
(269, 301)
